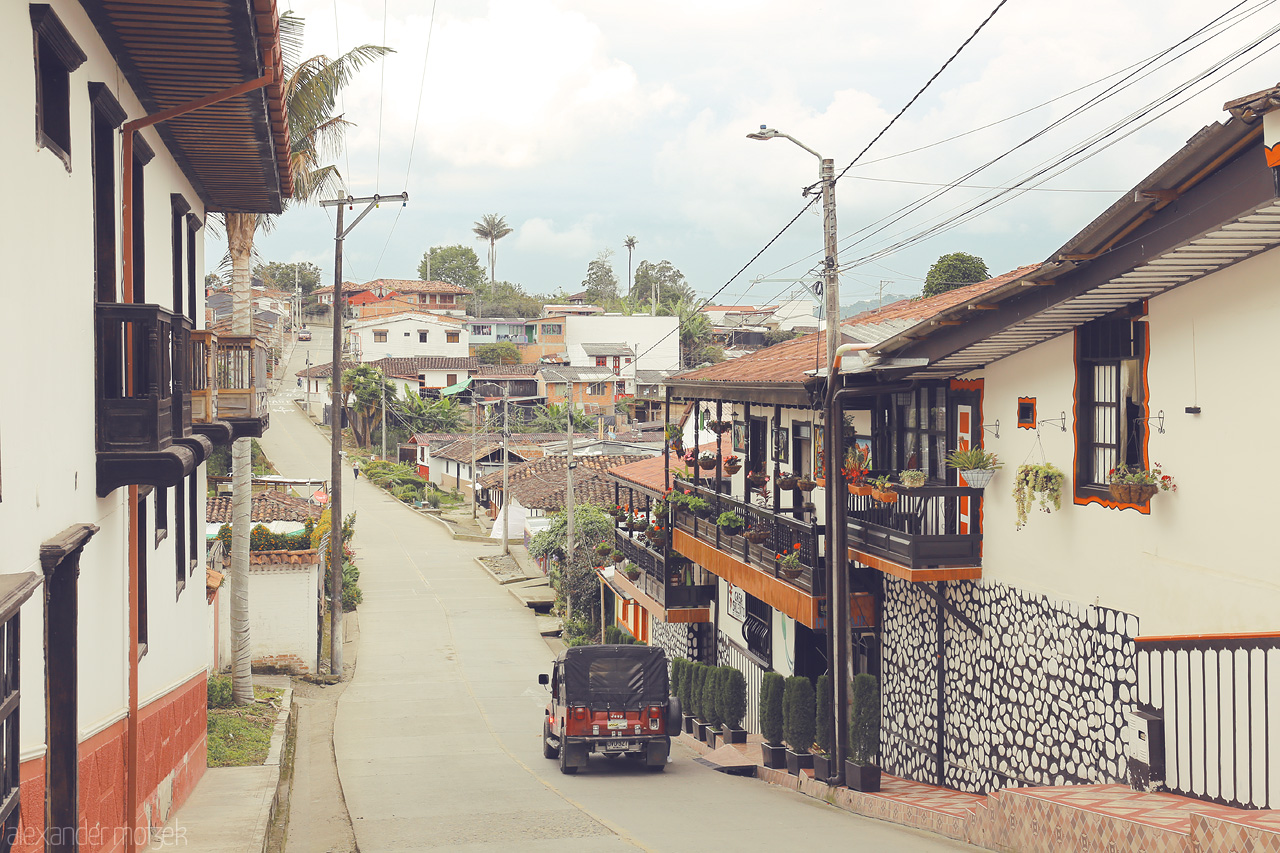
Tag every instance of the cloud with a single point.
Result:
(540, 236)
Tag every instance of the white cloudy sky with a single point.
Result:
(583, 122)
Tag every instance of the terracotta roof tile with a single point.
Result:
(263, 507)
(784, 362)
(923, 309)
(540, 484)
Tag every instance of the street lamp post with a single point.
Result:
(838, 631)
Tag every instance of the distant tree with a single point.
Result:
(578, 587)
(553, 418)
(363, 387)
(281, 276)
(418, 415)
(491, 228)
(954, 270)
(212, 280)
(503, 352)
(505, 299)
(662, 278)
(778, 336)
(456, 264)
(695, 335)
(601, 284)
(630, 245)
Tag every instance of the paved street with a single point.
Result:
(437, 736)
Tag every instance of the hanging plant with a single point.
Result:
(1042, 483)
(719, 427)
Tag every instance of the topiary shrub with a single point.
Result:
(798, 714)
(734, 687)
(219, 692)
(825, 726)
(864, 719)
(771, 688)
(711, 698)
(682, 690)
(695, 692)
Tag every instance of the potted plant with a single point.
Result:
(707, 460)
(912, 479)
(719, 427)
(618, 513)
(696, 696)
(772, 752)
(657, 535)
(637, 522)
(675, 440)
(824, 766)
(757, 533)
(1139, 485)
(975, 465)
(787, 481)
(806, 484)
(860, 773)
(857, 462)
(604, 549)
(732, 464)
(711, 705)
(699, 507)
(733, 697)
(757, 479)
(617, 557)
(789, 565)
(882, 489)
(730, 522)
(631, 570)
(798, 715)
(686, 701)
(1039, 482)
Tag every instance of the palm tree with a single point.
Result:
(315, 132)
(629, 244)
(493, 228)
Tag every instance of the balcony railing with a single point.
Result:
(927, 527)
(662, 579)
(204, 393)
(182, 375)
(135, 378)
(784, 533)
(241, 371)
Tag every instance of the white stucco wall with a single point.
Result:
(47, 458)
(1201, 562)
(282, 612)
(655, 340)
(402, 337)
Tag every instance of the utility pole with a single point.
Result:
(382, 385)
(475, 417)
(506, 441)
(882, 285)
(568, 473)
(335, 421)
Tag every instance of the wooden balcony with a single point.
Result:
(754, 566)
(136, 428)
(204, 388)
(183, 430)
(667, 581)
(240, 370)
(932, 533)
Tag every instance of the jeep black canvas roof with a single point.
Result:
(621, 677)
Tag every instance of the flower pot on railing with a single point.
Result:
(756, 537)
(757, 478)
(886, 495)
(806, 484)
(719, 427)
(790, 574)
(1133, 493)
(862, 489)
(787, 482)
(978, 478)
(706, 464)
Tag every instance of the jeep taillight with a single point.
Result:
(579, 713)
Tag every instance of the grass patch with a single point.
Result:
(240, 736)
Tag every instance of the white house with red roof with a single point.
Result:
(408, 334)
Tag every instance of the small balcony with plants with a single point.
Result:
(904, 525)
(240, 370)
(142, 436)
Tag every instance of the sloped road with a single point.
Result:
(437, 737)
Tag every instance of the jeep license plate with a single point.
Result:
(617, 724)
(619, 745)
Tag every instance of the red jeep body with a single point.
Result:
(612, 699)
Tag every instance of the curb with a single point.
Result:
(280, 756)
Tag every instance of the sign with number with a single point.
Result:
(737, 603)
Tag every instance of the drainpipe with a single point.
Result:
(126, 282)
(838, 634)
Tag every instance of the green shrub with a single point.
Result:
(407, 493)
(798, 713)
(711, 698)
(695, 692)
(771, 688)
(686, 687)
(864, 719)
(824, 732)
(677, 669)
(433, 499)
(734, 686)
(352, 597)
(220, 691)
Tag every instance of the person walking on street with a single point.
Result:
(355, 468)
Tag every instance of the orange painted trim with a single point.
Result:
(967, 384)
(676, 615)
(889, 567)
(1077, 497)
(1034, 418)
(1167, 638)
(778, 594)
(1273, 155)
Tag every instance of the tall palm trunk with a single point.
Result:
(240, 229)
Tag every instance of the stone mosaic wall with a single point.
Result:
(677, 640)
(1037, 699)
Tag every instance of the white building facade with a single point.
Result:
(408, 334)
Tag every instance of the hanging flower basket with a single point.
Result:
(886, 496)
(786, 482)
(732, 467)
(977, 478)
(618, 557)
(790, 574)
(806, 484)
(604, 549)
(632, 573)
(1133, 493)
(756, 537)
(757, 478)
(706, 464)
(719, 427)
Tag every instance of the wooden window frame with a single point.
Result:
(379, 336)
(938, 439)
(1102, 347)
(422, 336)
(452, 337)
(162, 515)
(105, 117)
(57, 57)
(601, 361)
(143, 526)
(180, 537)
(179, 208)
(142, 155)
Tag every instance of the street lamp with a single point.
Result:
(838, 632)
